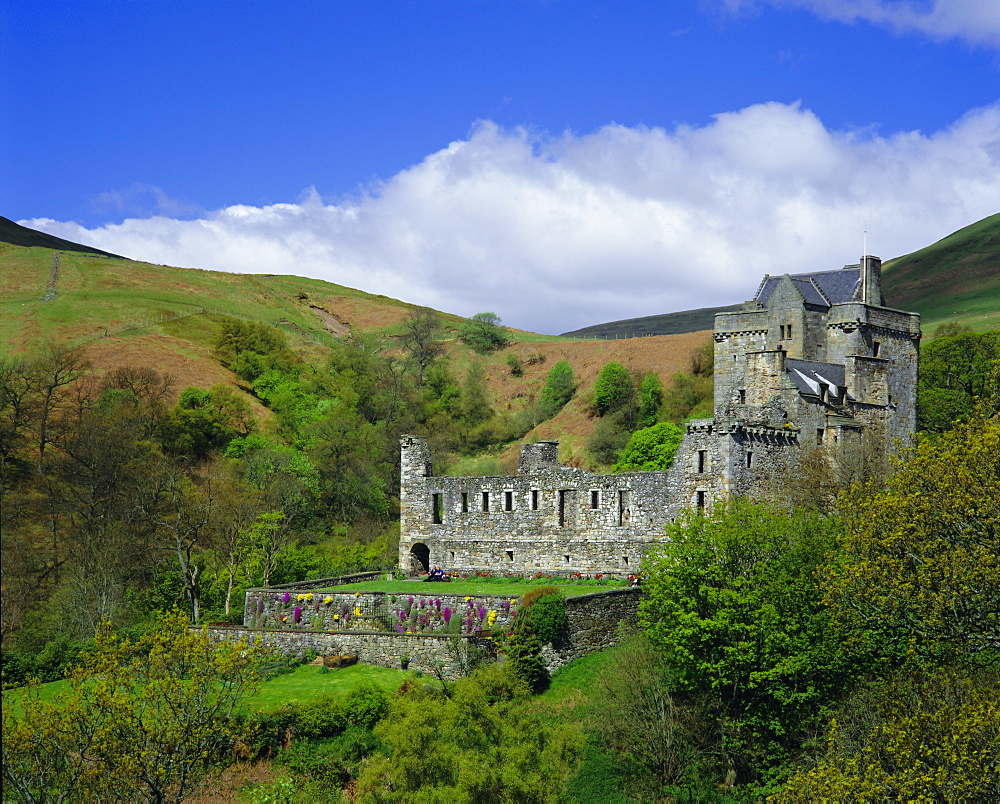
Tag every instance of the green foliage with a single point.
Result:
(251, 348)
(918, 567)
(610, 436)
(480, 744)
(475, 405)
(653, 738)
(955, 372)
(540, 619)
(732, 600)
(651, 448)
(688, 396)
(484, 333)
(143, 718)
(650, 399)
(515, 365)
(914, 737)
(613, 389)
(560, 385)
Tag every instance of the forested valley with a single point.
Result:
(838, 645)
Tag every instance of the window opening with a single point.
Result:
(875, 348)
(534, 499)
(437, 509)
(510, 555)
(819, 435)
(700, 499)
(486, 502)
(595, 499)
(743, 396)
(702, 461)
(465, 502)
(749, 460)
(562, 509)
(508, 501)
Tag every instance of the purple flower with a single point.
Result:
(400, 629)
(287, 598)
(260, 606)
(482, 612)
(447, 615)
(298, 615)
(468, 624)
(437, 603)
(409, 599)
(423, 603)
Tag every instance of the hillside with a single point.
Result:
(17, 235)
(124, 312)
(956, 279)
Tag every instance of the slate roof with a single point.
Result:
(809, 375)
(822, 288)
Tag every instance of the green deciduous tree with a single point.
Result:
(484, 333)
(482, 744)
(914, 737)
(560, 385)
(733, 602)
(955, 372)
(143, 720)
(613, 388)
(651, 448)
(919, 566)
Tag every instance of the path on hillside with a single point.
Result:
(51, 291)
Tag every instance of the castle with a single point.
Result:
(815, 360)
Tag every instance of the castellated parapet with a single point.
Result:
(814, 361)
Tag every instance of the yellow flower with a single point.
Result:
(309, 595)
(328, 600)
(300, 598)
(336, 616)
(467, 599)
(357, 612)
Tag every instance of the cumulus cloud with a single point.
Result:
(558, 232)
(975, 21)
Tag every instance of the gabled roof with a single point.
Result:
(821, 288)
(810, 375)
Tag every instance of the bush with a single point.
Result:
(613, 389)
(559, 388)
(484, 333)
(650, 449)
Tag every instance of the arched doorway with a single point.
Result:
(420, 558)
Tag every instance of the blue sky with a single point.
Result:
(560, 163)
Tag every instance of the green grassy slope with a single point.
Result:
(94, 294)
(956, 279)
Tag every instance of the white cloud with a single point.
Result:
(975, 21)
(555, 233)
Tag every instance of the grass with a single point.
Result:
(472, 587)
(307, 682)
(303, 684)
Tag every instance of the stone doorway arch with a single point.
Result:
(420, 558)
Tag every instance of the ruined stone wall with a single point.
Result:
(595, 622)
(550, 518)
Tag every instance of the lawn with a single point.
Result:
(309, 681)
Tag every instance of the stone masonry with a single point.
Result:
(815, 360)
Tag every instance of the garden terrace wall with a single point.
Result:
(300, 609)
(429, 653)
(336, 580)
(594, 622)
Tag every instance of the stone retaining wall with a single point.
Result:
(594, 622)
(425, 652)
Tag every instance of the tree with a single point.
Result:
(484, 333)
(919, 567)
(913, 737)
(650, 399)
(733, 602)
(474, 403)
(481, 744)
(650, 449)
(421, 338)
(613, 388)
(560, 385)
(143, 719)
(955, 372)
